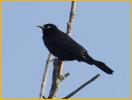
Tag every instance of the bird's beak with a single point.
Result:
(40, 27)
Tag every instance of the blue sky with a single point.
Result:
(102, 28)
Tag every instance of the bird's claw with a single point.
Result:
(62, 77)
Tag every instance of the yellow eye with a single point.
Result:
(48, 26)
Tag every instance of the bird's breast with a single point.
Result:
(52, 44)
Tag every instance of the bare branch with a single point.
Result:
(58, 65)
(69, 25)
(45, 76)
(71, 18)
(55, 80)
(82, 86)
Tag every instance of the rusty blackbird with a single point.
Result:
(65, 48)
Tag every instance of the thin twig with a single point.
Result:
(82, 86)
(71, 18)
(45, 77)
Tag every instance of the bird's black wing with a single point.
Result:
(71, 47)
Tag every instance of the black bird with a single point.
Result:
(65, 48)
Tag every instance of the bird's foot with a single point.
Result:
(62, 77)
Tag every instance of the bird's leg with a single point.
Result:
(60, 72)
(60, 63)
(61, 76)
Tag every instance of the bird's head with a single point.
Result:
(48, 28)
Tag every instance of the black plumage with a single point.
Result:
(65, 48)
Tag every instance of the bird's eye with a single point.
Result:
(48, 27)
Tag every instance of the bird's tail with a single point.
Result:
(103, 67)
(99, 64)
